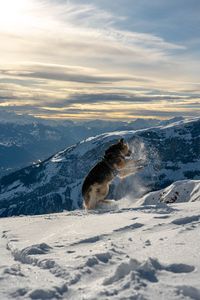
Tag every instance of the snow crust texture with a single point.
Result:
(143, 251)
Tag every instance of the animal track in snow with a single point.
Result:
(90, 240)
(186, 220)
(14, 270)
(129, 227)
(54, 293)
(179, 268)
(189, 292)
(36, 249)
(20, 292)
(103, 257)
(145, 271)
(162, 217)
(97, 238)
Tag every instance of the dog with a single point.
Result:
(95, 187)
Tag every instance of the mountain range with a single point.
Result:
(25, 140)
(168, 153)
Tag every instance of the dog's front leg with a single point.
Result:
(131, 166)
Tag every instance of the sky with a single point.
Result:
(100, 59)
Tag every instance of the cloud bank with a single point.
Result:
(83, 60)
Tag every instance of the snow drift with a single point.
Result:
(144, 251)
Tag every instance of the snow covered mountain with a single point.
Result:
(21, 145)
(140, 251)
(177, 192)
(26, 139)
(169, 153)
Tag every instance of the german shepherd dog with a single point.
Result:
(96, 184)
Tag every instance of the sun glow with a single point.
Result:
(14, 14)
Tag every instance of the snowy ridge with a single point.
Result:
(180, 191)
(132, 252)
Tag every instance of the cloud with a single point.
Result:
(66, 73)
(92, 113)
(64, 56)
(107, 106)
(80, 33)
(120, 98)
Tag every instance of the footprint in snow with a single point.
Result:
(14, 270)
(28, 255)
(147, 243)
(162, 217)
(55, 293)
(36, 249)
(90, 240)
(186, 220)
(19, 293)
(188, 291)
(129, 227)
(146, 270)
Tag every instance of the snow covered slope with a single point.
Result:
(136, 252)
(179, 191)
(25, 139)
(169, 153)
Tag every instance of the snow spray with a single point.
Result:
(138, 176)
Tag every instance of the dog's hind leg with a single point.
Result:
(102, 194)
(91, 204)
(96, 194)
(91, 199)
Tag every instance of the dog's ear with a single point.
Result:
(121, 141)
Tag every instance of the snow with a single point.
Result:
(67, 168)
(141, 250)
(179, 191)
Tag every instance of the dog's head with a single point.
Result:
(124, 148)
(121, 148)
(117, 153)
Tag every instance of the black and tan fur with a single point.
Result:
(96, 184)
